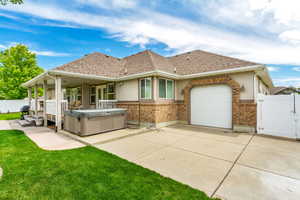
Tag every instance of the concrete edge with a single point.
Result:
(125, 136)
(77, 138)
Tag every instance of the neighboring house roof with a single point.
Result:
(183, 64)
(278, 90)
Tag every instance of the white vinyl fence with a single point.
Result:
(279, 115)
(7, 106)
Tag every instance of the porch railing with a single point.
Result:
(51, 107)
(39, 105)
(106, 104)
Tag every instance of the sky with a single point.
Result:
(60, 31)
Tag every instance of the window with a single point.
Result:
(111, 91)
(93, 95)
(73, 95)
(146, 88)
(166, 89)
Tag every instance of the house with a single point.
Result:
(197, 87)
(284, 91)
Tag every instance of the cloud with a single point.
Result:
(297, 69)
(40, 53)
(110, 4)
(178, 34)
(290, 81)
(107, 50)
(50, 53)
(9, 16)
(62, 25)
(273, 69)
(268, 15)
(292, 36)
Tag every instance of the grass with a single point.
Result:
(84, 173)
(10, 116)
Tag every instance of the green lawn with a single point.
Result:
(10, 116)
(84, 173)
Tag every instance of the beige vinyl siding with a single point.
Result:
(180, 85)
(127, 90)
(246, 80)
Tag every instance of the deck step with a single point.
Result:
(26, 123)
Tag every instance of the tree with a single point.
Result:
(5, 2)
(17, 66)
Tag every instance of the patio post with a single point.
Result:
(29, 90)
(36, 100)
(45, 95)
(58, 97)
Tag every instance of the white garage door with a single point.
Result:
(212, 106)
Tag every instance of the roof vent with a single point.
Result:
(188, 58)
(175, 70)
(125, 71)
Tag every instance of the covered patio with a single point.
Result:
(64, 91)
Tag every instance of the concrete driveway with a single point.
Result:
(222, 164)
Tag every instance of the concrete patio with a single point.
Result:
(223, 164)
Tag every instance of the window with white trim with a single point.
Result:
(111, 91)
(146, 88)
(93, 95)
(166, 88)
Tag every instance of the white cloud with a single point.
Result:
(271, 15)
(292, 36)
(297, 69)
(41, 53)
(178, 34)
(50, 53)
(290, 81)
(273, 69)
(110, 4)
(9, 16)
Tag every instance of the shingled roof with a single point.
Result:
(95, 64)
(146, 61)
(200, 61)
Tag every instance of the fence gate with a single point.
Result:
(279, 115)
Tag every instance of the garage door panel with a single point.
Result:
(212, 106)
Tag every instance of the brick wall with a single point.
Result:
(151, 112)
(247, 114)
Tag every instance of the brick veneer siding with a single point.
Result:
(152, 112)
(247, 114)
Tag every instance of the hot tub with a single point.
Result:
(90, 122)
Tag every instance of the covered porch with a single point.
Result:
(68, 91)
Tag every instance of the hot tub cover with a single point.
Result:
(95, 112)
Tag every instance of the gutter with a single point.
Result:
(143, 74)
